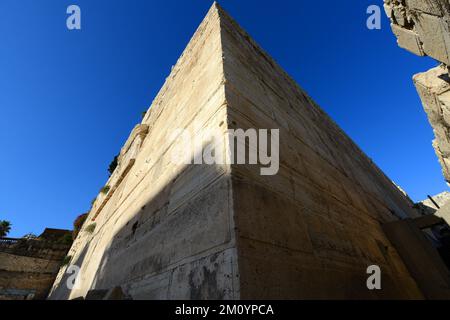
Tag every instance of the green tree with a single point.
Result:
(113, 165)
(5, 228)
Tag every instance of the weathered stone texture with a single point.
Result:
(434, 89)
(167, 231)
(423, 27)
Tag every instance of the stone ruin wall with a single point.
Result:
(311, 231)
(423, 28)
(165, 231)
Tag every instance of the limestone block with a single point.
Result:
(428, 6)
(444, 213)
(16, 263)
(154, 287)
(434, 90)
(430, 85)
(444, 100)
(388, 10)
(266, 214)
(210, 278)
(408, 39)
(431, 30)
(429, 20)
(134, 142)
(399, 14)
(442, 136)
(441, 199)
(445, 162)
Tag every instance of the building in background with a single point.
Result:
(28, 266)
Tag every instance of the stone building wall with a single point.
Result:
(165, 230)
(28, 267)
(311, 231)
(170, 231)
(423, 28)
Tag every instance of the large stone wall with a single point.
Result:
(166, 230)
(169, 231)
(311, 231)
(423, 28)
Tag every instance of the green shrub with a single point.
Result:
(66, 260)
(90, 228)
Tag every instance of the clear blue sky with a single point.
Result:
(69, 99)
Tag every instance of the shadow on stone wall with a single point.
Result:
(62, 291)
(184, 231)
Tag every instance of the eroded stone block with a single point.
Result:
(408, 39)
(431, 30)
(444, 100)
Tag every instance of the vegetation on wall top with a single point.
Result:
(105, 189)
